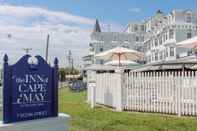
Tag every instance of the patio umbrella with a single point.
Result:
(120, 53)
(189, 43)
(123, 62)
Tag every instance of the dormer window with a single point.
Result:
(171, 33)
(142, 28)
(136, 38)
(189, 35)
(135, 28)
(101, 49)
(188, 17)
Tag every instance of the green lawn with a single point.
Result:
(83, 118)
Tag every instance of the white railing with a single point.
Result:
(170, 92)
(165, 92)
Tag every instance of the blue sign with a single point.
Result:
(30, 89)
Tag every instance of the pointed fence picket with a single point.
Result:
(170, 92)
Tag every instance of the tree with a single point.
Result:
(67, 71)
(70, 71)
(62, 74)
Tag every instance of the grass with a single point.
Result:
(83, 118)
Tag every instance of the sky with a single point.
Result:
(26, 23)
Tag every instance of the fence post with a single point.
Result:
(119, 91)
(92, 88)
(93, 94)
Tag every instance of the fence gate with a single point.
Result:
(106, 86)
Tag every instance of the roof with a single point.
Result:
(184, 60)
(97, 26)
(189, 63)
(96, 67)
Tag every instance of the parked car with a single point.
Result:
(78, 85)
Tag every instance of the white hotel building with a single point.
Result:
(162, 32)
(156, 36)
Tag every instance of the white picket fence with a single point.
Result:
(165, 92)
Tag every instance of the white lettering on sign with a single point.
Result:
(32, 114)
(31, 89)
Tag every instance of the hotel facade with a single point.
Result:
(156, 37)
(102, 41)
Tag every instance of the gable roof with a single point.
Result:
(97, 26)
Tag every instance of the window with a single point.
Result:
(189, 35)
(101, 38)
(186, 27)
(171, 51)
(166, 36)
(149, 45)
(156, 56)
(163, 38)
(166, 52)
(156, 42)
(142, 27)
(115, 38)
(189, 52)
(152, 57)
(135, 28)
(142, 38)
(161, 56)
(171, 33)
(101, 62)
(188, 17)
(152, 44)
(137, 38)
(126, 39)
(125, 46)
(147, 58)
(160, 41)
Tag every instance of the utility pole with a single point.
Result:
(47, 48)
(27, 50)
(72, 64)
(69, 58)
(70, 61)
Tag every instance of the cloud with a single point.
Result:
(22, 27)
(29, 26)
(135, 10)
(21, 13)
